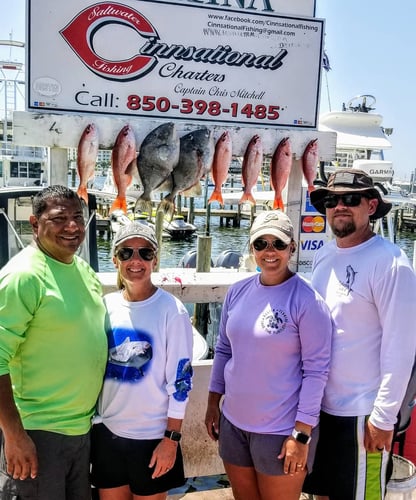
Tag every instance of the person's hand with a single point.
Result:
(294, 455)
(163, 457)
(377, 440)
(21, 456)
(212, 420)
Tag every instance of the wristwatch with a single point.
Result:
(173, 435)
(301, 437)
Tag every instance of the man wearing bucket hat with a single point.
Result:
(370, 288)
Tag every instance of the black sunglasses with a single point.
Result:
(126, 253)
(261, 244)
(349, 199)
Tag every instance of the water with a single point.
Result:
(406, 241)
(223, 238)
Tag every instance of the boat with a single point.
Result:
(19, 165)
(118, 218)
(361, 137)
(361, 141)
(109, 188)
(16, 231)
(178, 229)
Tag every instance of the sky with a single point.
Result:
(371, 49)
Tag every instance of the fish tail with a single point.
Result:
(278, 203)
(143, 205)
(83, 194)
(168, 206)
(216, 196)
(119, 203)
(247, 197)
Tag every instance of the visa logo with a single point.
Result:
(311, 244)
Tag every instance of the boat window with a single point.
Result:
(25, 169)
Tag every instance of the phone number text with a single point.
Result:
(200, 107)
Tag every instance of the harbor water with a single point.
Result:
(223, 239)
(172, 251)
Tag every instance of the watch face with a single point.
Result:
(173, 435)
(301, 437)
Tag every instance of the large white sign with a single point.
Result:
(304, 8)
(175, 61)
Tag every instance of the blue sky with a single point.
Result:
(371, 49)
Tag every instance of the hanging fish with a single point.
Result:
(195, 160)
(220, 165)
(158, 155)
(86, 159)
(310, 160)
(251, 167)
(280, 167)
(123, 164)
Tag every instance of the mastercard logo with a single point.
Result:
(313, 224)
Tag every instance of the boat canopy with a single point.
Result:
(355, 130)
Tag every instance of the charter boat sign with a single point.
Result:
(214, 61)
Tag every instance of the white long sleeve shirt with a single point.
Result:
(148, 375)
(371, 292)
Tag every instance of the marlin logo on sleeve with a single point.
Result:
(183, 383)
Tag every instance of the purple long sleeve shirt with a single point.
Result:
(272, 355)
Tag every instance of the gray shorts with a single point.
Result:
(63, 469)
(249, 449)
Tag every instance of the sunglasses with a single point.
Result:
(261, 244)
(126, 253)
(349, 200)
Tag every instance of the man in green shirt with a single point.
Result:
(52, 355)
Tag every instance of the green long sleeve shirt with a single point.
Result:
(52, 340)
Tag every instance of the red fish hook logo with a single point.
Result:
(80, 32)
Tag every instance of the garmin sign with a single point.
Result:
(379, 170)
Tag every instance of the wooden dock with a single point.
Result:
(103, 226)
(407, 219)
(227, 217)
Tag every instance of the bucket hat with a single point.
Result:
(274, 222)
(350, 180)
(134, 230)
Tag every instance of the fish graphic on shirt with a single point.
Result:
(183, 382)
(350, 277)
(274, 321)
(131, 353)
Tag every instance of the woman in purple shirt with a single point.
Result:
(270, 368)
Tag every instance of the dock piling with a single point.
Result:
(203, 265)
